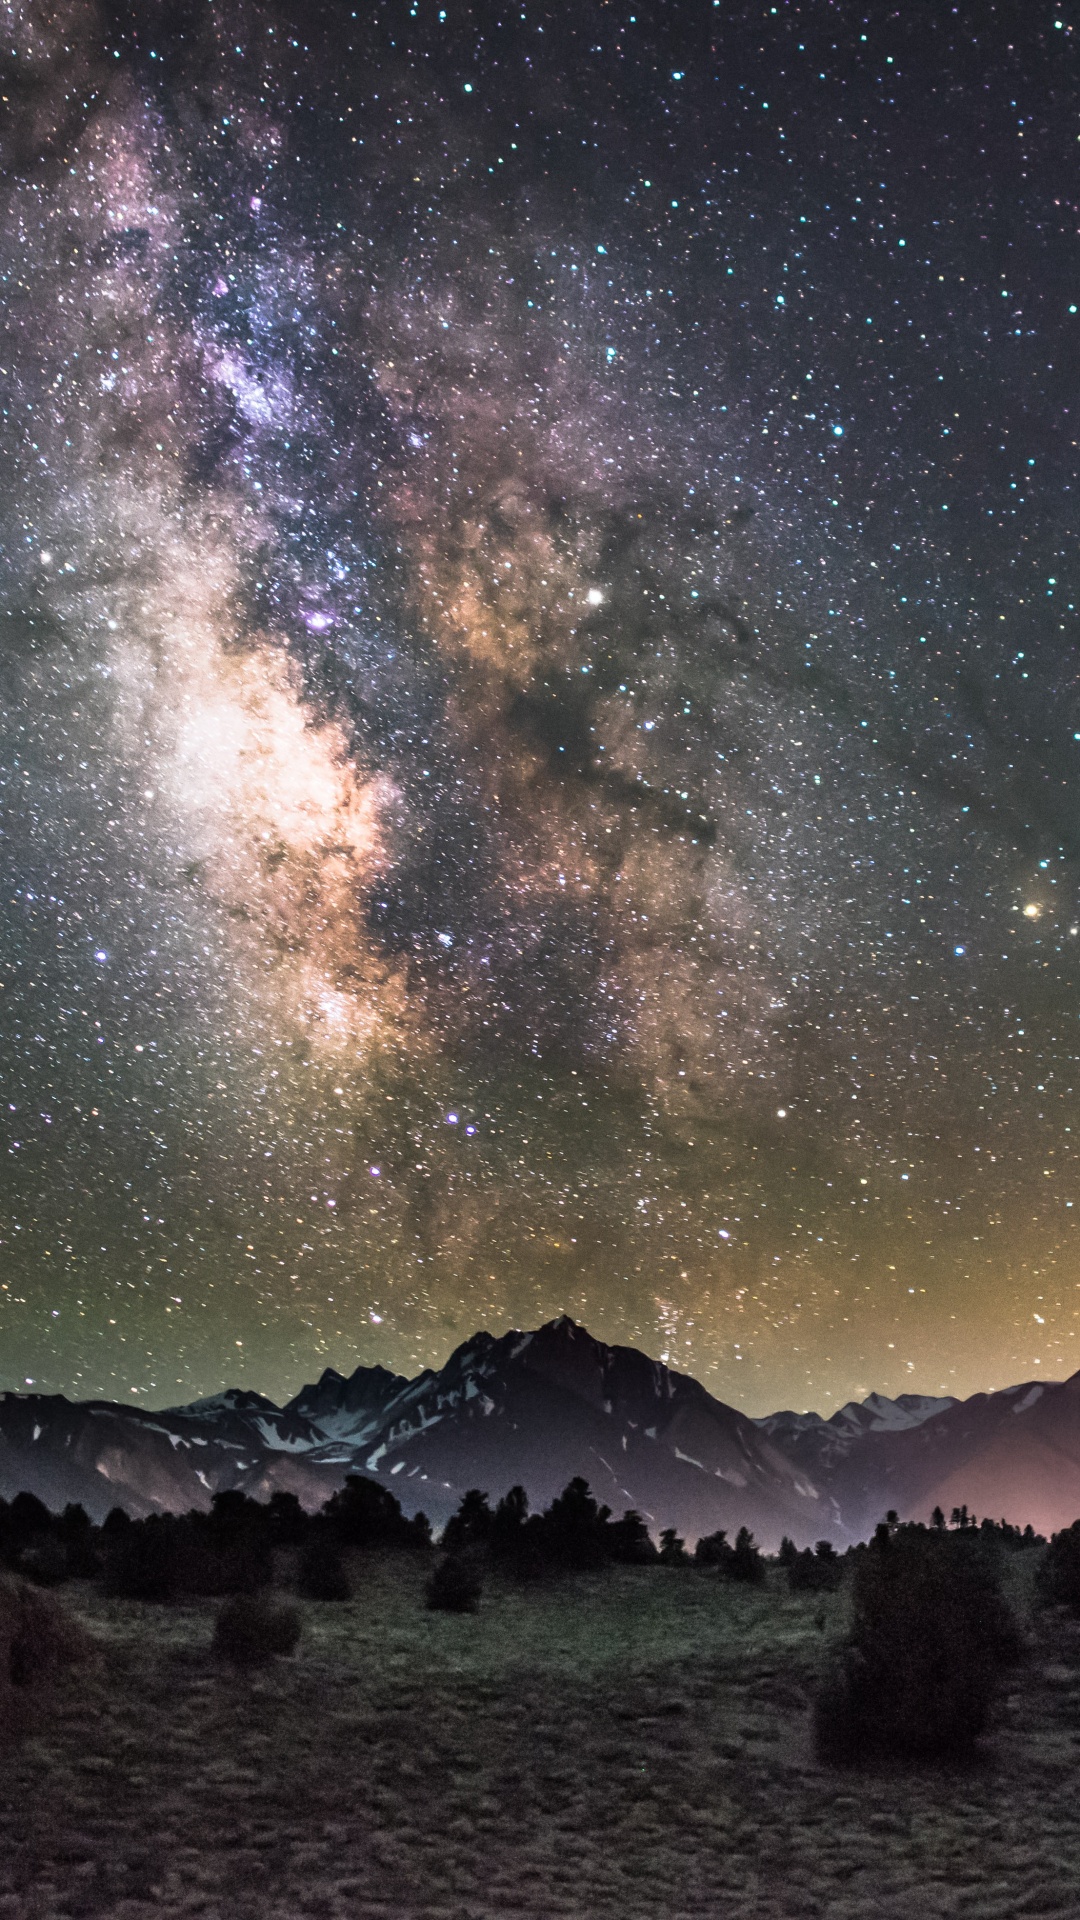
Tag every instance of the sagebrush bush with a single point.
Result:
(930, 1634)
(251, 1630)
(454, 1586)
(37, 1639)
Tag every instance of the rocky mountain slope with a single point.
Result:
(537, 1408)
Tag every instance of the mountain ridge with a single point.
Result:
(536, 1407)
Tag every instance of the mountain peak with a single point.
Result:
(230, 1400)
(535, 1408)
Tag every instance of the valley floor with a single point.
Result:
(629, 1745)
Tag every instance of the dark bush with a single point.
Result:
(454, 1586)
(1058, 1580)
(251, 1630)
(37, 1640)
(321, 1574)
(930, 1633)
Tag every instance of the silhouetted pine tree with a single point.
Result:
(629, 1541)
(714, 1550)
(574, 1529)
(747, 1563)
(471, 1525)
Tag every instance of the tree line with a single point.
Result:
(231, 1548)
(928, 1629)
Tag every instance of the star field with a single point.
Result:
(539, 715)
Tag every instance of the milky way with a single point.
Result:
(539, 720)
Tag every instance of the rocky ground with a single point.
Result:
(629, 1744)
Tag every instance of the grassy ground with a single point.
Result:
(633, 1744)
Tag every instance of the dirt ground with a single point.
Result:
(632, 1744)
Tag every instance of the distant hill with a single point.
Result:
(537, 1408)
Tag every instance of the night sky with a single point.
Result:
(539, 718)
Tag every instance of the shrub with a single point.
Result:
(454, 1586)
(930, 1633)
(1059, 1574)
(37, 1639)
(251, 1630)
(321, 1574)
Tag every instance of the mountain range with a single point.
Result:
(537, 1408)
